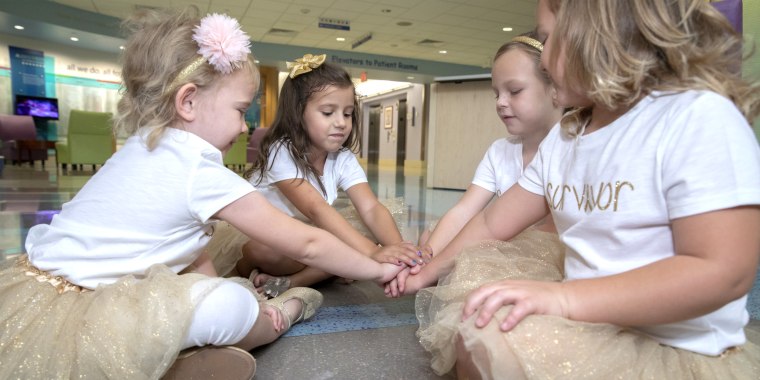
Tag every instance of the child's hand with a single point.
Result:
(389, 272)
(427, 253)
(394, 287)
(398, 254)
(528, 297)
(278, 320)
(406, 282)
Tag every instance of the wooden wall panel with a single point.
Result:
(463, 125)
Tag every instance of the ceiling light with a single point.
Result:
(410, 78)
(74, 39)
(385, 10)
(121, 47)
(404, 23)
(507, 29)
(340, 39)
(442, 51)
(256, 61)
(19, 27)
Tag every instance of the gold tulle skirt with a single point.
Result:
(548, 347)
(226, 246)
(132, 329)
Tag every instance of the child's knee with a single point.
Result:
(210, 326)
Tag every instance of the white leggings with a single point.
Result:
(223, 317)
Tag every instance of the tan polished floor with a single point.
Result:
(357, 334)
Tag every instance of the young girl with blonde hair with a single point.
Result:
(107, 290)
(654, 185)
(526, 103)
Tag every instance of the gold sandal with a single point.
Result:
(310, 298)
(220, 362)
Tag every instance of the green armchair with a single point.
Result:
(89, 139)
(236, 156)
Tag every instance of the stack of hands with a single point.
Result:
(413, 259)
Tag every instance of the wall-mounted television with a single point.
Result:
(37, 106)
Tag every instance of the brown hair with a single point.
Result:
(289, 126)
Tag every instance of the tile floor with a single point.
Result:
(357, 334)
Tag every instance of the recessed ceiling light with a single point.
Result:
(507, 29)
(19, 27)
(256, 61)
(385, 10)
(121, 47)
(340, 39)
(404, 23)
(74, 39)
(409, 77)
(442, 51)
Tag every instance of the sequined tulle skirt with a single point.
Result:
(225, 247)
(548, 347)
(132, 329)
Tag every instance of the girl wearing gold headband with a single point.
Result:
(306, 157)
(525, 104)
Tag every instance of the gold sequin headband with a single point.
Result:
(530, 42)
(305, 64)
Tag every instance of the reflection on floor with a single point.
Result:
(357, 334)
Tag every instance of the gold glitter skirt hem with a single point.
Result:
(132, 329)
(532, 254)
(547, 347)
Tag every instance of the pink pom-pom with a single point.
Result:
(222, 42)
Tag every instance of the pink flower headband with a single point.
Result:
(221, 43)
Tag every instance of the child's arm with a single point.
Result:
(202, 265)
(508, 215)
(472, 202)
(715, 263)
(376, 216)
(308, 200)
(257, 218)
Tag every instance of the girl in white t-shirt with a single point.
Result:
(305, 158)
(106, 290)
(526, 103)
(654, 186)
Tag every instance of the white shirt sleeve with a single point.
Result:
(532, 179)
(710, 158)
(212, 187)
(348, 170)
(485, 174)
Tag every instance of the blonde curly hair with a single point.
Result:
(617, 51)
(159, 47)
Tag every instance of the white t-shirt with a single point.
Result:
(342, 170)
(501, 166)
(141, 208)
(614, 192)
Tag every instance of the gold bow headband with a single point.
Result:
(305, 64)
(530, 42)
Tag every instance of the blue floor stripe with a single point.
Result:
(357, 317)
